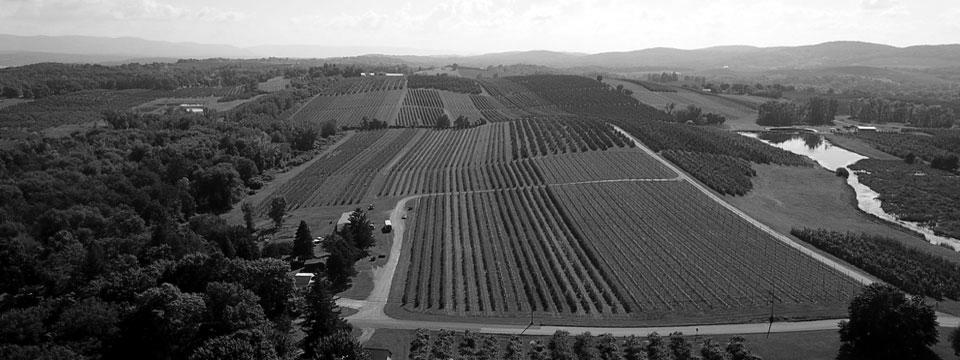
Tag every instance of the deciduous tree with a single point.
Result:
(886, 324)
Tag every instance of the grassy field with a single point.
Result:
(788, 197)
(739, 117)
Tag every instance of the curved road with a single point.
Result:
(371, 315)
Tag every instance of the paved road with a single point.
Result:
(371, 315)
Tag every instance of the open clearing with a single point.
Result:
(739, 116)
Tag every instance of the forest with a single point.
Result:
(110, 240)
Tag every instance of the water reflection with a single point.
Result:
(831, 157)
(812, 141)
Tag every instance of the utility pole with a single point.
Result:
(770, 327)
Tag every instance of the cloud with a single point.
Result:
(50, 10)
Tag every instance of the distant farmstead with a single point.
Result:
(192, 108)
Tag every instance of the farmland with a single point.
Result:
(735, 110)
(349, 110)
(421, 107)
(458, 105)
(634, 258)
(343, 177)
(561, 215)
(448, 83)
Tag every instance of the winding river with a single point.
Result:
(833, 157)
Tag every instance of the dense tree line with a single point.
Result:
(816, 111)
(940, 146)
(694, 115)
(879, 110)
(42, 80)
(913, 271)
(446, 344)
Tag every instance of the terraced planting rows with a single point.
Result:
(358, 85)
(506, 252)
(448, 83)
(343, 175)
(458, 104)
(540, 136)
(668, 248)
(459, 160)
(349, 110)
(600, 166)
(421, 107)
(493, 111)
(518, 98)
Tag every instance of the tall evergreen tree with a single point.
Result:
(321, 316)
(303, 242)
(247, 209)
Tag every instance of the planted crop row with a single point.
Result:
(546, 136)
(594, 166)
(517, 97)
(357, 85)
(459, 160)
(494, 116)
(448, 83)
(501, 252)
(416, 116)
(351, 182)
(460, 105)
(584, 96)
(305, 185)
(725, 174)
(667, 248)
(346, 173)
(423, 98)
(349, 110)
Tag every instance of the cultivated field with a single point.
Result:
(570, 251)
(349, 109)
(421, 107)
(458, 104)
(274, 84)
(345, 174)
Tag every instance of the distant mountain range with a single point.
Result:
(22, 50)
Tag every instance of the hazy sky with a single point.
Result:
(476, 26)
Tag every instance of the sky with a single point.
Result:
(482, 26)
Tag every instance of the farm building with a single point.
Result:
(302, 280)
(344, 218)
(192, 108)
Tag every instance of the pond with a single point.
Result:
(832, 157)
